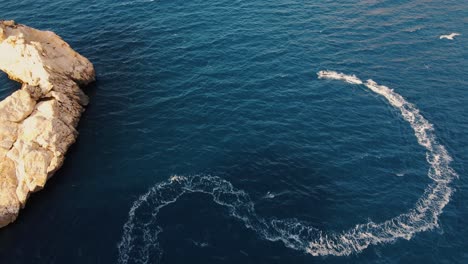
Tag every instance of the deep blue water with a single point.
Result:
(229, 89)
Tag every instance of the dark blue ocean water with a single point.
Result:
(229, 89)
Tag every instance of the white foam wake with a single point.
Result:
(339, 76)
(425, 214)
(140, 244)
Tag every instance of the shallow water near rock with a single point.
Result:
(229, 89)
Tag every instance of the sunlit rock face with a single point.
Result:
(38, 122)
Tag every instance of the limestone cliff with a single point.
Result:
(38, 122)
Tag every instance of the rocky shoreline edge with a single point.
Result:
(38, 122)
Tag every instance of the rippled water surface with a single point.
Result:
(228, 91)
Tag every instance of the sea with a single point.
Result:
(281, 131)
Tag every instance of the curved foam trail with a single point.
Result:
(140, 244)
(425, 214)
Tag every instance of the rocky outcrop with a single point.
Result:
(38, 122)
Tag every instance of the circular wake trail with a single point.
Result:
(140, 244)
